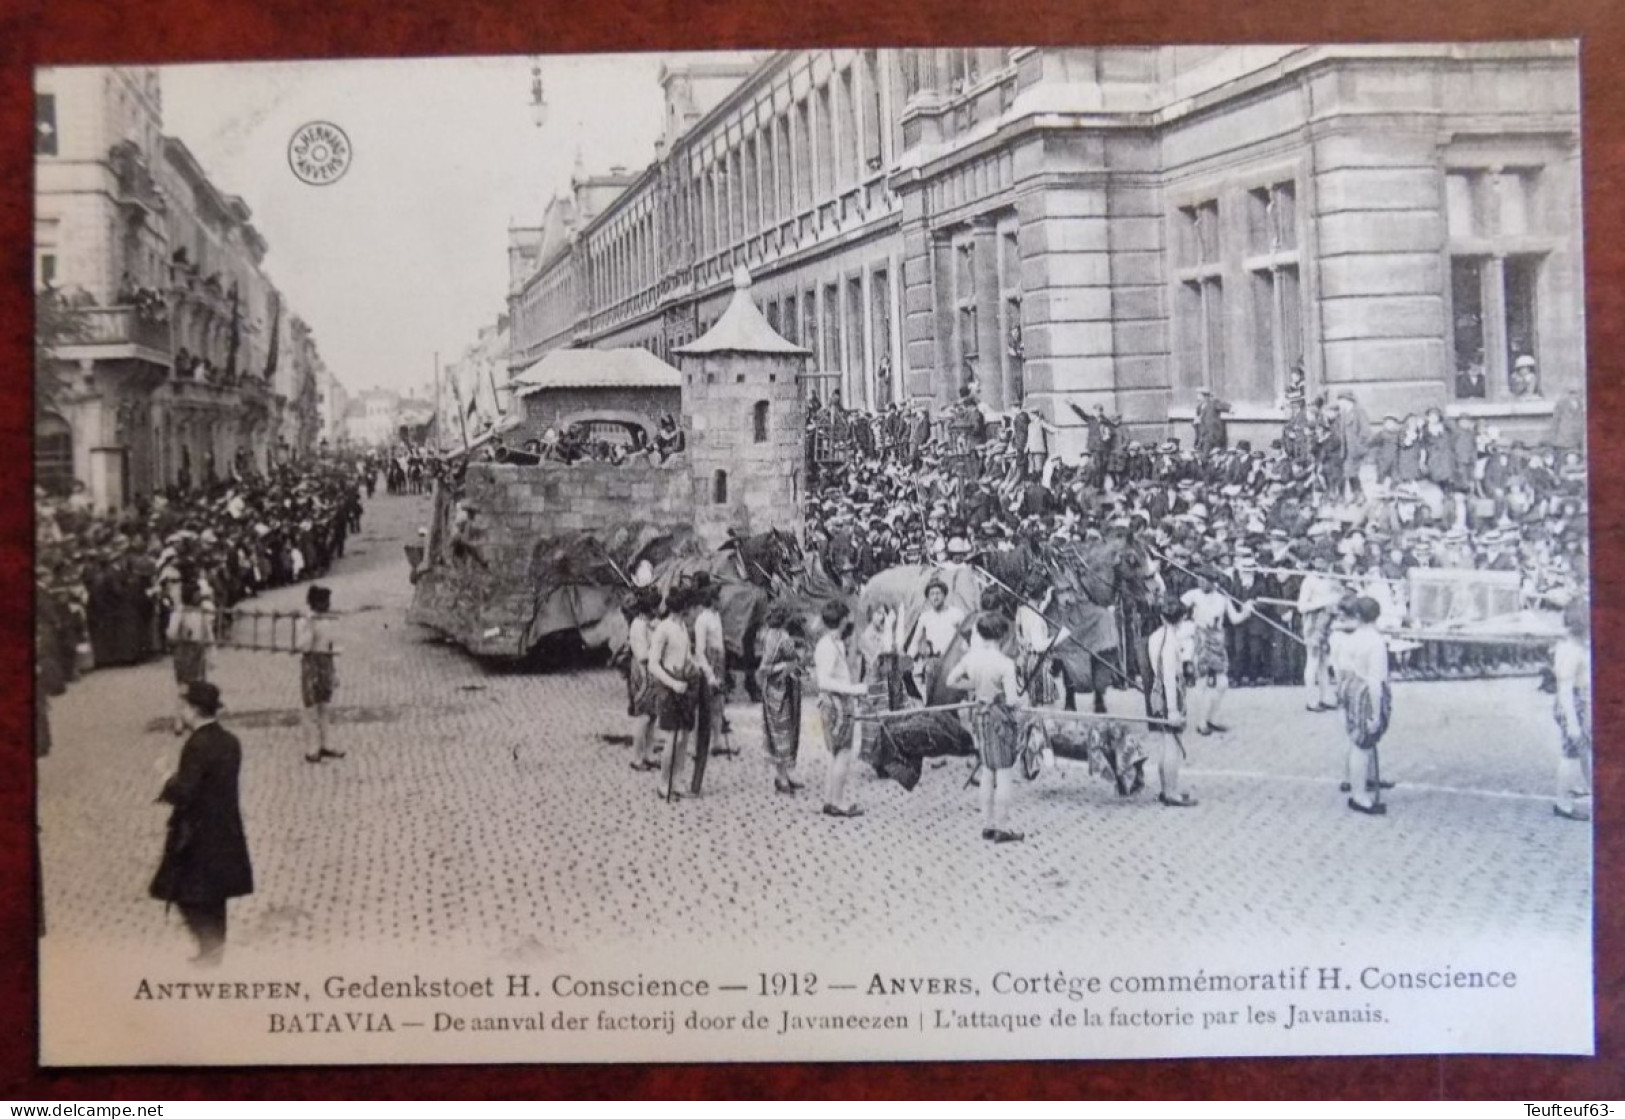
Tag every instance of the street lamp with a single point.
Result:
(538, 95)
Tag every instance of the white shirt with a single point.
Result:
(637, 639)
(937, 629)
(1210, 608)
(1362, 653)
(1170, 648)
(1318, 593)
(1571, 665)
(708, 636)
(985, 673)
(879, 637)
(833, 673)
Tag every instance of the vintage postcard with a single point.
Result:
(814, 555)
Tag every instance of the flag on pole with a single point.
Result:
(276, 335)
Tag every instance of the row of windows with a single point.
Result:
(1250, 243)
(950, 71)
(819, 146)
(1495, 221)
(1270, 226)
(823, 144)
(987, 346)
(849, 333)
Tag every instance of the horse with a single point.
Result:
(1090, 583)
(750, 573)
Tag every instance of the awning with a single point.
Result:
(623, 368)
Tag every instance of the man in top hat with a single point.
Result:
(1209, 422)
(1297, 434)
(205, 861)
(1470, 382)
(1251, 638)
(1354, 439)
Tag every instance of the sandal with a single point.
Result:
(1218, 728)
(1378, 809)
(781, 787)
(314, 759)
(1570, 813)
(1183, 800)
(326, 753)
(1008, 837)
(645, 767)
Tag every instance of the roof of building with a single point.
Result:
(742, 329)
(625, 368)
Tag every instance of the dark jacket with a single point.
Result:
(1441, 458)
(1384, 454)
(1210, 427)
(1356, 431)
(1568, 429)
(1464, 454)
(1408, 461)
(205, 853)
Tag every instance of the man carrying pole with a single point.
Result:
(1318, 597)
(1169, 655)
(1209, 609)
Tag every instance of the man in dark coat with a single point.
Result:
(1568, 427)
(1210, 422)
(205, 858)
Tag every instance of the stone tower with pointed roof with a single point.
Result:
(745, 422)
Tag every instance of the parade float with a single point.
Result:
(519, 552)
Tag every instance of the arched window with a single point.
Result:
(719, 488)
(758, 422)
(53, 455)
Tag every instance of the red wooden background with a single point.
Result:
(34, 32)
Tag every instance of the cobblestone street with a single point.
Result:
(431, 834)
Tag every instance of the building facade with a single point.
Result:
(478, 381)
(373, 418)
(332, 408)
(172, 374)
(1118, 226)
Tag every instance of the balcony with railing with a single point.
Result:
(118, 332)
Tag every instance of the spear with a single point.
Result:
(1267, 621)
(1069, 636)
